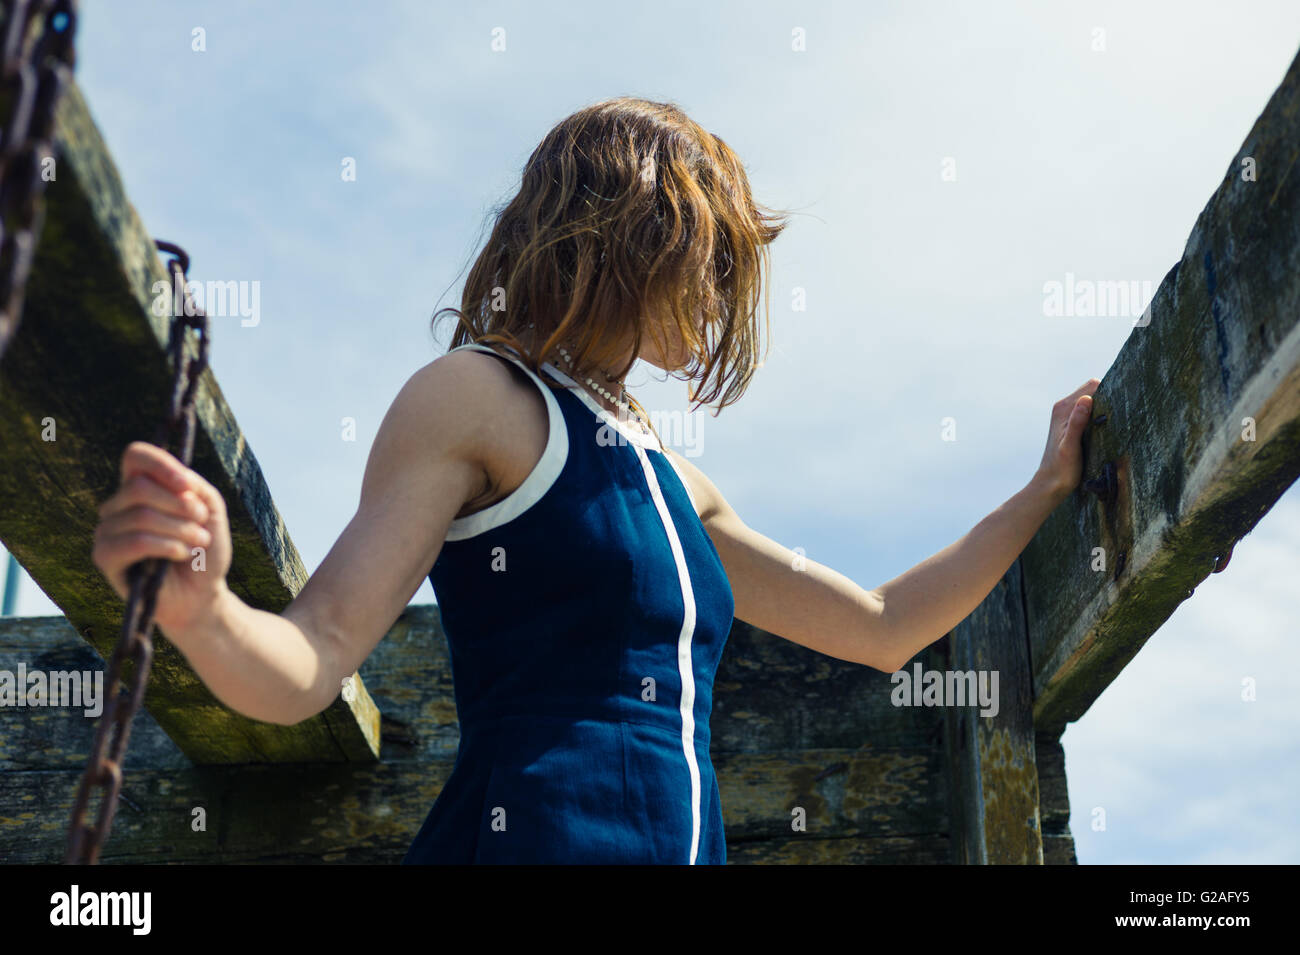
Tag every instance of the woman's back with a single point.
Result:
(586, 612)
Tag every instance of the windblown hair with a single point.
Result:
(630, 220)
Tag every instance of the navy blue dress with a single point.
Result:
(585, 614)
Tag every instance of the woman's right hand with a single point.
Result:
(164, 509)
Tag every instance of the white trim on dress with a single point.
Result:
(539, 480)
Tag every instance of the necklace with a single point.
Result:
(625, 408)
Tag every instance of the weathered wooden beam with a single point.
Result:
(991, 764)
(1053, 801)
(328, 812)
(1202, 427)
(86, 374)
(791, 730)
(928, 849)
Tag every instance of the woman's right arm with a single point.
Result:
(426, 462)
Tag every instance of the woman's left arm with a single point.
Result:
(810, 604)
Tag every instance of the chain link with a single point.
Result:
(145, 577)
(34, 69)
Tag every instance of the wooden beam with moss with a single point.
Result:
(1201, 427)
(991, 764)
(1195, 434)
(86, 374)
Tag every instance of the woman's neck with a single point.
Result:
(601, 378)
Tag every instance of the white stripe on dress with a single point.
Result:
(684, 660)
(641, 443)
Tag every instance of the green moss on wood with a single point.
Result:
(90, 356)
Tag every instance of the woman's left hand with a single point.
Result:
(1062, 465)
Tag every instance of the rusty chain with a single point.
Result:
(144, 577)
(33, 73)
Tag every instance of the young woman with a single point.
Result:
(587, 577)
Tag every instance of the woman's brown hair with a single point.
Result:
(628, 210)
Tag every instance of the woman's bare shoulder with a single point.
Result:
(459, 394)
(480, 407)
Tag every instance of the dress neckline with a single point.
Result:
(633, 435)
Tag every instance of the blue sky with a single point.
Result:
(924, 296)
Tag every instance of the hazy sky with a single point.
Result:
(924, 292)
